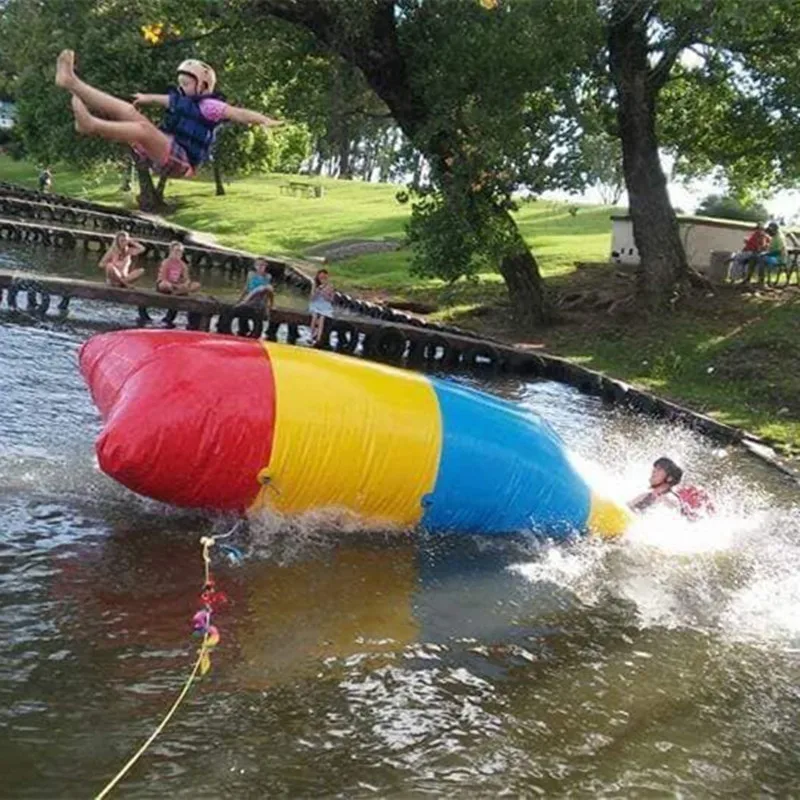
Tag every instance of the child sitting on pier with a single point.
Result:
(173, 278)
(184, 141)
(321, 305)
(118, 259)
(258, 291)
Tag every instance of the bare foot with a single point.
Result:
(83, 119)
(65, 69)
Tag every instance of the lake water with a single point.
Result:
(358, 664)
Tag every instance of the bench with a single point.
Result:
(302, 189)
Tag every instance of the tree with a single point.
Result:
(732, 111)
(728, 207)
(602, 157)
(244, 151)
(481, 95)
(733, 114)
(642, 49)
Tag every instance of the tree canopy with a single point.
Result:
(471, 102)
(728, 207)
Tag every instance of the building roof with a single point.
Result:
(691, 219)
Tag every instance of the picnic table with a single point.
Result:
(302, 189)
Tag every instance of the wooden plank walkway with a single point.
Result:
(415, 347)
(378, 332)
(199, 257)
(53, 198)
(68, 216)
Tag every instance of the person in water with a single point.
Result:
(691, 501)
(184, 140)
(118, 260)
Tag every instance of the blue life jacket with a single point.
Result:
(186, 123)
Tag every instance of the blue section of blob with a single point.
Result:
(501, 469)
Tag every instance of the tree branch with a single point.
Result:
(198, 37)
(364, 34)
(360, 112)
(686, 33)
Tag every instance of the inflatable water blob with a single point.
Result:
(234, 424)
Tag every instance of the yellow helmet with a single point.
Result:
(200, 71)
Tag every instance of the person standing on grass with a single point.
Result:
(321, 305)
(118, 260)
(185, 139)
(45, 180)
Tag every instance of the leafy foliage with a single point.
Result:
(727, 207)
(602, 162)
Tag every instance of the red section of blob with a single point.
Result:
(188, 416)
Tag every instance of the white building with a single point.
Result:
(700, 236)
(7, 111)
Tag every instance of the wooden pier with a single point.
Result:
(198, 257)
(47, 296)
(25, 219)
(361, 328)
(68, 216)
(52, 198)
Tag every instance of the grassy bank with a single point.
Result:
(254, 215)
(733, 355)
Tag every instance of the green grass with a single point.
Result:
(255, 216)
(735, 357)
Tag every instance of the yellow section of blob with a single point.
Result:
(608, 519)
(350, 435)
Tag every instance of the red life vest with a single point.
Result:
(695, 502)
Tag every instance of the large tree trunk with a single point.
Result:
(522, 277)
(344, 154)
(148, 196)
(376, 50)
(220, 186)
(655, 226)
(162, 185)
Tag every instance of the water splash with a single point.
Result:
(289, 539)
(734, 574)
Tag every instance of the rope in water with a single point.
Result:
(137, 755)
(210, 637)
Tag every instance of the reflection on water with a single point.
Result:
(365, 664)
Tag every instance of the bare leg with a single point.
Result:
(316, 328)
(142, 132)
(97, 100)
(133, 275)
(185, 288)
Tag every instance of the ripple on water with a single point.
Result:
(392, 665)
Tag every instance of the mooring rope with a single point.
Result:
(202, 624)
(137, 755)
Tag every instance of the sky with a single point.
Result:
(784, 206)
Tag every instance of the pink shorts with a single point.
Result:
(175, 165)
